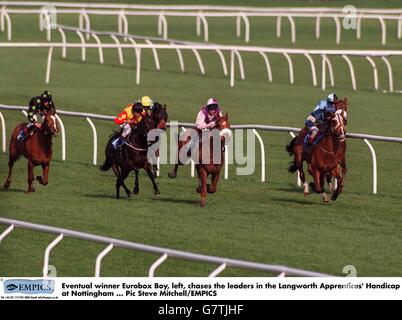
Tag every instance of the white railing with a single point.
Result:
(164, 252)
(190, 7)
(235, 55)
(290, 130)
(201, 16)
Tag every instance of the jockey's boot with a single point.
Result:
(21, 135)
(117, 143)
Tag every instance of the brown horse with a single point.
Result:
(37, 148)
(296, 148)
(211, 168)
(326, 157)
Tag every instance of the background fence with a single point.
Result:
(201, 13)
(235, 55)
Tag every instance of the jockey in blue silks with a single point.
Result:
(319, 116)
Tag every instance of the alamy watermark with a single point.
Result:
(203, 147)
(48, 18)
(350, 19)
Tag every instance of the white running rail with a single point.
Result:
(165, 252)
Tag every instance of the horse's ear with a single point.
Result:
(226, 116)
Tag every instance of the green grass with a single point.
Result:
(267, 222)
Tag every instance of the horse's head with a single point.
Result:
(223, 124)
(341, 107)
(159, 115)
(145, 125)
(337, 126)
(50, 122)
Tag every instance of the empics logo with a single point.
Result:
(29, 286)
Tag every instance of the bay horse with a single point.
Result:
(326, 157)
(211, 168)
(36, 147)
(296, 148)
(131, 156)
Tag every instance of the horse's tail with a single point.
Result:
(290, 146)
(107, 164)
(292, 168)
(290, 149)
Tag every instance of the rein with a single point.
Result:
(135, 148)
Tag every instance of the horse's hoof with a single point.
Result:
(7, 185)
(333, 197)
(198, 189)
(130, 195)
(306, 194)
(157, 193)
(202, 204)
(39, 179)
(136, 191)
(172, 175)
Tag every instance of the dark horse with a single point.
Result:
(131, 156)
(325, 157)
(37, 148)
(158, 118)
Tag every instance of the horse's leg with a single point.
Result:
(151, 176)
(127, 190)
(214, 183)
(11, 161)
(318, 181)
(328, 178)
(299, 165)
(44, 179)
(120, 181)
(173, 173)
(340, 182)
(203, 177)
(30, 177)
(155, 170)
(14, 154)
(136, 183)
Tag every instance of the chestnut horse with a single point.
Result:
(37, 148)
(326, 157)
(296, 148)
(211, 168)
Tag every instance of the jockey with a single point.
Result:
(130, 116)
(147, 103)
(206, 119)
(36, 106)
(319, 116)
(208, 114)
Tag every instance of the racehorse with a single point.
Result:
(326, 156)
(296, 148)
(131, 156)
(37, 148)
(211, 168)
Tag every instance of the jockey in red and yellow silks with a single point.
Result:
(130, 116)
